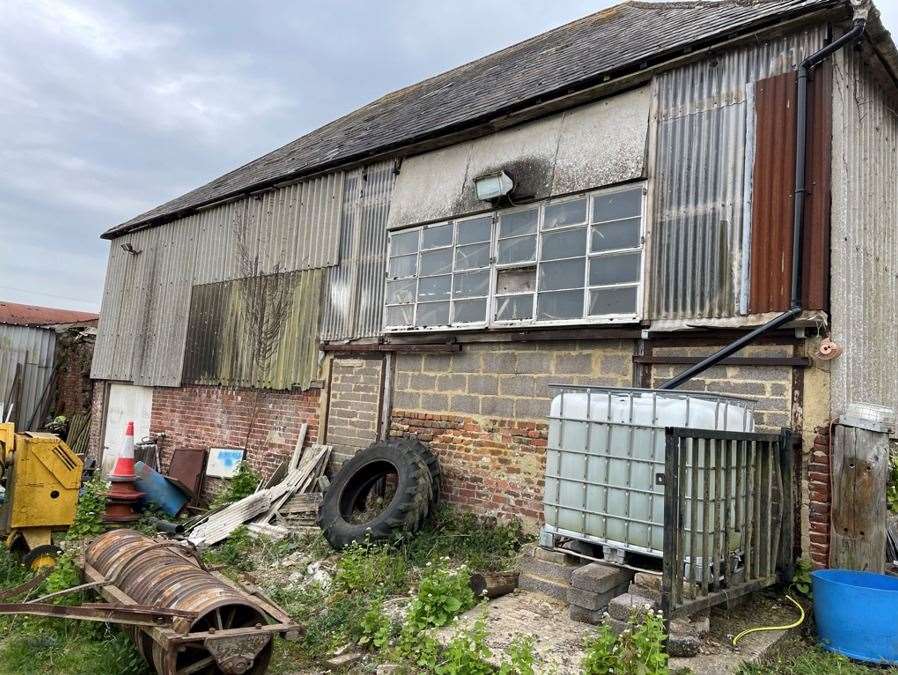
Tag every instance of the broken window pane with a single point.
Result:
(564, 214)
(611, 236)
(399, 315)
(433, 314)
(471, 284)
(559, 305)
(614, 269)
(400, 291)
(516, 281)
(403, 266)
(402, 243)
(469, 311)
(514, 307)
(564, 244)
(617, 205)
(472, 256)
(613, 300)
(475, 230)
(517, 250)
(436, 236)
(437, 262)
(521, 222)
(561, 274)
(434, 288)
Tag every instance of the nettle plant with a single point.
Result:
(442, 594)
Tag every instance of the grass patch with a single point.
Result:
(800, 655)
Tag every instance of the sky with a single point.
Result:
(109, 108)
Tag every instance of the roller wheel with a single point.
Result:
(352, 509)
(41, 557)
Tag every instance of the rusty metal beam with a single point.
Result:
(134, 615)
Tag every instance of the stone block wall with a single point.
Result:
(483, 411)
(266, 423)
(354, 407)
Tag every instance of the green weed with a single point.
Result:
(243, 484)
(639, 650)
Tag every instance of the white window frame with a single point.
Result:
(494, 267)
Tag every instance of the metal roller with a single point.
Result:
(229, 631)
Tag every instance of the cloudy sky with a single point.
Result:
(110, 108)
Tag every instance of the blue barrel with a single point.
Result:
(857, 614)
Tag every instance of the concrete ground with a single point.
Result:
(559, 641)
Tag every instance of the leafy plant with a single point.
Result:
(892, 487)
(376, 627)
(638, 650)
(65, 575)
(371, 568)
(467, 653)
(801, 579)
(520, 657)
(243, 484)
(88, 519)
(233, 552)
(443, 593)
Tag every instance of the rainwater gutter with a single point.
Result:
(795, 309)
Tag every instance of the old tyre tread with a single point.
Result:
(406, 511)
(433, 464)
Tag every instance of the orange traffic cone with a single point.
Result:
(122, 495)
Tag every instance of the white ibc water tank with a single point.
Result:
(606, 451)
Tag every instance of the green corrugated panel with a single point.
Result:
(255, 332)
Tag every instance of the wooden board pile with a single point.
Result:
(273, 511)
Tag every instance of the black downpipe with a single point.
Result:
(795, 309)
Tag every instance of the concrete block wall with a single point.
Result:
(266, 423)
(483, 411)
(354, 407)
(771, 386)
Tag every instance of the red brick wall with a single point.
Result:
(266, 423)
(820, 497)
(74, 351)
(491, 466)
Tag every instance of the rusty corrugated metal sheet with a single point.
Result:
(15, 314)
(256, 332)
(353, 299)
(865, 234)
(146, 299)
(702, 177)
(773, 188)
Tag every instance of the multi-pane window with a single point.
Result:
(577, 260)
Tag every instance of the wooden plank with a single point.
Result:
(860, 468)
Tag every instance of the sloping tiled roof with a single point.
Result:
(31, 315)
(568, 58)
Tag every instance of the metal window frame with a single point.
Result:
(494, 267)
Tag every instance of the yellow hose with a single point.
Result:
(763, 628)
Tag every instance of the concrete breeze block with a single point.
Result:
(600, 578)
(592, 600)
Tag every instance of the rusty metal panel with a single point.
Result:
(146, 300)
(701, 178)
(864, 233)
(773, 188)
(255, 332)
(353, 296)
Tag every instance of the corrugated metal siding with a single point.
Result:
(256, 332)
(146, 300)
(773, 189)
(702, 177)
(864, 235)
(34, 349)
(354, 289)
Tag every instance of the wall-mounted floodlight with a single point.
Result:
(128, 248)
(493, 186)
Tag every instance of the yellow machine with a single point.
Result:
(42, 476)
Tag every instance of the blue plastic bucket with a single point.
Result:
(857, 614)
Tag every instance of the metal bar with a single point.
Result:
(714, 471)
(768, 498)
(637, 460)
(729, 361)
(601, 514)
(587, 457)
(748, 511)
(786, 562)
(672, 521)
(130, 615)
(681, 507)
(756, 512)
(723, 435)
(706, 516)
(728, 503)
(693, 512)
(706, 602)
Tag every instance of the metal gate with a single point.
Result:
(738, 536)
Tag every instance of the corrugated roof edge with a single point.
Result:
(139, 222)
